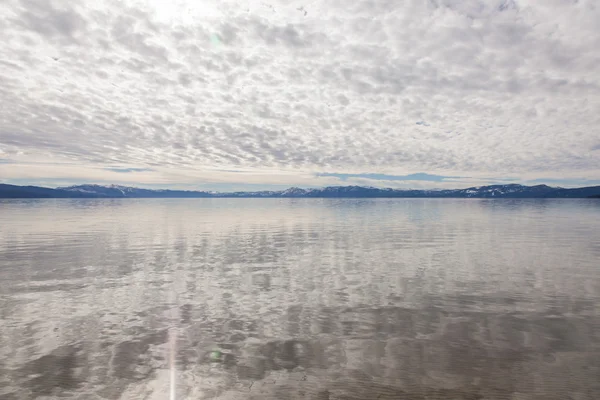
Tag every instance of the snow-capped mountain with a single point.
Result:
(493, 191)
(117, 191)
(511, 190)
(295, 192)
(126, 191)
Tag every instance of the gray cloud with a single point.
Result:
(454, 88)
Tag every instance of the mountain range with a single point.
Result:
(116, 191)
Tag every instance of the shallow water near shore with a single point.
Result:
(300, 299)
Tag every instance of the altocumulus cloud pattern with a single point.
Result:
(298, 92)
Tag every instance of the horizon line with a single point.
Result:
(112, 185)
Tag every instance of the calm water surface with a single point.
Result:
(300, 299)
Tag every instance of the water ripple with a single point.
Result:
(300, 299)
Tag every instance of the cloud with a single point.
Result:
(453, 88)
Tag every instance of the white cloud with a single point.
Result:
(463, 88)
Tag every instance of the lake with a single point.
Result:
(324, 299)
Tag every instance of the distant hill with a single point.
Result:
(578, 192)
(20, 192)
(116, 191)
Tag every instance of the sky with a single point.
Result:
(235, 95)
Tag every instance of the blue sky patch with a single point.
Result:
(128, 170)
(421, 176)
